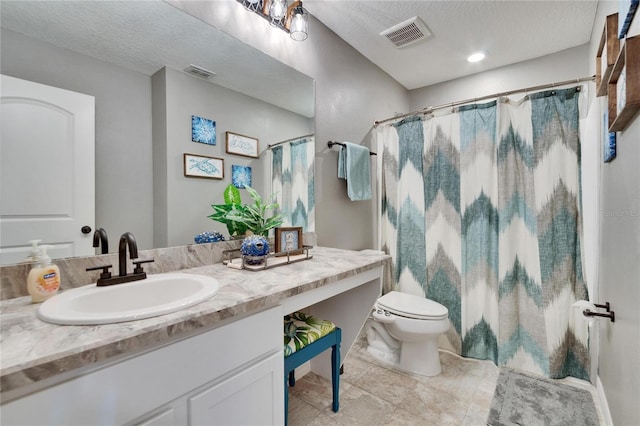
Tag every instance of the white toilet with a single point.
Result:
(404, 332)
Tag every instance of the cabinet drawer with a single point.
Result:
(251, 397)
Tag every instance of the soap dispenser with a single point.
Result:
(43, 280)
(34, 253)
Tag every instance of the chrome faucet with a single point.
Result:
(126, 239)
(101, 240)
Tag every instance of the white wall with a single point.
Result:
(124, 200)
(187, 201)
(565, 65)
(619, 257)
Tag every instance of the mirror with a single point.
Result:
(129, 55)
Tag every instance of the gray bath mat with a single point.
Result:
(522, 399)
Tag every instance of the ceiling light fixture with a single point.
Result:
(476, 57)
(292, 19)
(299, 28)
(277, 9)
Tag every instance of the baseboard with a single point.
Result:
(603, 406)
(303, 369)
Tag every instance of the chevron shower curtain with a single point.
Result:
(481, 213)
(292, 181)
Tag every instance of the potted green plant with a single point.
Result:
(240, 218)
(231, 199)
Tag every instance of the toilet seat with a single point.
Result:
(411, 306)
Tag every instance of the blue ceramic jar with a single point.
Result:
(254, 249)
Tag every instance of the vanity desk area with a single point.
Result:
(218, 362)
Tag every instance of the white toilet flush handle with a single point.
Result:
(383, 316)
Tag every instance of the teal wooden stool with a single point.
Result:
(305, 337)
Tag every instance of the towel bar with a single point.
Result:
(611, 315)
(331, 143)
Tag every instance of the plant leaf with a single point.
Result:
(254, 194)
(232, 195)
(220, 212)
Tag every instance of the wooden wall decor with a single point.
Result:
(624, 86)
(607, 53)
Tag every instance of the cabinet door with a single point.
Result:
(251, 397)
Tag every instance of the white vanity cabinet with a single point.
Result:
(220, 363)
(232, 374)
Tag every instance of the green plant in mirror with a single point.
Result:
(231, 198)
(242, 217)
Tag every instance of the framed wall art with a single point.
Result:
(288, 240)
(240, 176)
(608, 140)
(203, 130)
(242, 145)
(201, 166)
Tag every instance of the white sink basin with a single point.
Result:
(156, 295)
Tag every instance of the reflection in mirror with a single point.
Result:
(144, 103)
(291, 158)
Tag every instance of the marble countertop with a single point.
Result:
(32, 350)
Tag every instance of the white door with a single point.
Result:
(46, 169)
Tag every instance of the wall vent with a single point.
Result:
(199, 71)
(407, 33)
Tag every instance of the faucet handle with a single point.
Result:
(138, 269)
(105, 271)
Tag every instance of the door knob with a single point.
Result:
(85, 229)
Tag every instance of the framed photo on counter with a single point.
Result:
(289, 240)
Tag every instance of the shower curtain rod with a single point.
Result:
(428, 110)
(288, 140)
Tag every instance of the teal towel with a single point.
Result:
(342, 162)
(354, 166)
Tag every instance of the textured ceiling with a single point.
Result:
(147, 35)
(509, 31)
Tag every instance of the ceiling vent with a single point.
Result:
(199, 71)
(407, 33)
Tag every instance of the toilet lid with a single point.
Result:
(411, 306)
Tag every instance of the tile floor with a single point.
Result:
(374, 394)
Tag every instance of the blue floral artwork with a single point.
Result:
(626, 10)
(241, 176)
(203, 130)
(609, 139)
